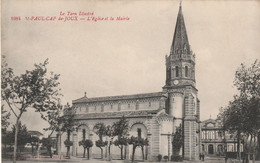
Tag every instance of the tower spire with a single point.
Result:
(180, 64)
(180, 43)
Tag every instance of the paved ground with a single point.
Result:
(80, 160)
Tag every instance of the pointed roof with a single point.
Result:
(180, 38)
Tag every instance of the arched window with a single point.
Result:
(172, 73)
(177, 71)
(139, 132)
(186, 71)
(169, 73)
(84, 134)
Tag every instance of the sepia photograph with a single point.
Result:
(130, 81)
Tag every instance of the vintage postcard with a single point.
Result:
(141, 80)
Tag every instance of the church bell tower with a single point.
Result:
(180, 64)
(180, 86)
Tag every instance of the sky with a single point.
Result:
(112, 57)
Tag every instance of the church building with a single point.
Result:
(155, 115)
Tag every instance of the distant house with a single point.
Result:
(35, 134)
(214, 139)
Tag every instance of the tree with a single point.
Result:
(100, 144)
(121, 142)
(60, 119)
(121, 129)
(48, 143)
(236, 119)
(242, 114)
(177, 141)
(5, 115)
(35, 89)
(34, 141)
(251, 126)
(67, 119)
(166, 158)
(23, 136)
(110, 132)
(86, 144)
(100, 130)
(144, 143)
(53, 118)
(7, 139)
(68, 144)
(240, 119)
(247, 80)
(137, 141)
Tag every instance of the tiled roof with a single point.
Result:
(140, 113)
(122, 97)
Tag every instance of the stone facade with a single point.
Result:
(156, 115)
(215, 140)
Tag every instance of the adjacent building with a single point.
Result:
(214, 140)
